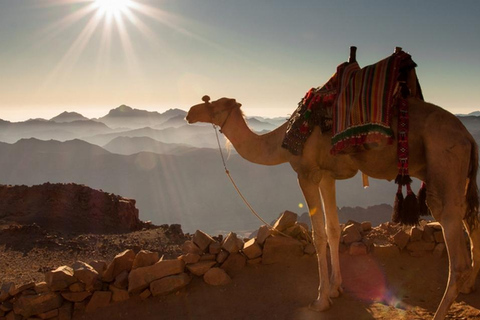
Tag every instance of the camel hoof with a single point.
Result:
(320, 305)
(336, 292)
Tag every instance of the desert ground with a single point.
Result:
(376, 286)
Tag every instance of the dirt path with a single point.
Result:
(376, 287)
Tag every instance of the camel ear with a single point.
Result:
(233, 103)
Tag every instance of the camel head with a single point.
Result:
(216, 112)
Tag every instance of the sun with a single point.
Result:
(112, 7)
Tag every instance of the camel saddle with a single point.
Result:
(355, 105)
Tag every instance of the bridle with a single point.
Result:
(213, 115)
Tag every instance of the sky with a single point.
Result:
(91, 56)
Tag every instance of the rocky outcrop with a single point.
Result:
(69, 208)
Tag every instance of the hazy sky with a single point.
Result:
(58, 55)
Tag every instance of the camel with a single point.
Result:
(443, 154)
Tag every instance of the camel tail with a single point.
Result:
(471, 215)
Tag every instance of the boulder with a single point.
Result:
(230, 243)
(60, 278)
(140, 278)
(145, 258)
(214, 247)
(122, 262)
(234, 263)
(16, 290)
(99, 299)
(420, 246)
(286, 220)
(99, 266)
(428, 233)
(216, 277)
(263, 233)
(41, 287)
(29, 305)
(48, 315)
(169, 284)
(118, 294)
(366, 226)
(252, 249)
(351, 234)
(385, 250)
(278, 248)
(202, 240)
(190, 247)
(76, 296)
(201, 267)
(438, 235)
(439, 250)
(145, 294)
(85, 274)
(222, 256)
(77, 287)
(65, 311)
(190, 258)
(401, 239)
(121, 281)
(5, 289)
(416, 234)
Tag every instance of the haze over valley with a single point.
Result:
(173, 170)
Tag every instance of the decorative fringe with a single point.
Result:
(422, 200)
(406, 210)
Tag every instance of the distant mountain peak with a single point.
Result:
(66, 116)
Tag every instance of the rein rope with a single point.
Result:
(252, 210)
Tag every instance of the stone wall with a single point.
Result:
(85, 287)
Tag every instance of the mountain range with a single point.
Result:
(172, 169)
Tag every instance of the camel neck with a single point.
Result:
(263, 149)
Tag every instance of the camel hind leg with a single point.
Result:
(448, 169)
(474, 234)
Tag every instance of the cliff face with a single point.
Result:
(68, 208)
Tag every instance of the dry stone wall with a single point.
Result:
(85, 287)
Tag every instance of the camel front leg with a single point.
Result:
(311, 193)
(327, 188)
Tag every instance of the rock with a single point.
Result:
(121, 281)
(99, 266)
(190, 258)
(190, 247)
(263, 233)
(421, 246)
(118, 294)
(222, 256)
(214, 247)
(49, 314)
(208, 257)
(76, 296)
(41, 287)
(99, 299)
(85, 274)
(202, 240)
(252, 249)
(234, 263)
(140, 278)
(12, 316)
(145, 294)
(201, 267)
(60, 278)
(217, 277)
(29, 305)
(145, 258)
(278, 248)
(439, 249)
(122, 262)
(16, 290)
(415, 234)
(254, 261)
(230, 243)
(366, 226)
(77, 287)
(65, 311)
(6, 306)
(169, 284)
(286, 220)
(79, 308)
(5, 289)
(309, 249)
(428, 233)
(401, 239)
(357, 248)
(351, 234)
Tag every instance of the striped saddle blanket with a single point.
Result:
(355, 105)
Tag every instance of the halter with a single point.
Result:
(206, 99)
